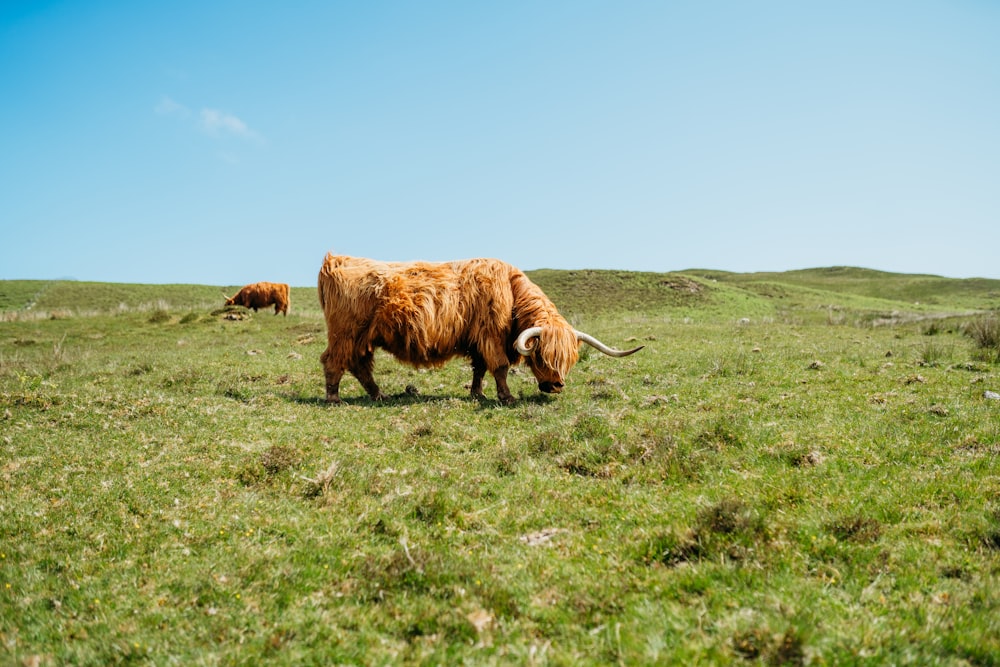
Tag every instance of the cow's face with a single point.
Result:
(552, 356)
(550, 381)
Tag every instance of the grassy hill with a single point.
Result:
(78, 297)
(909, 289)
(849, 294)
(779, 491)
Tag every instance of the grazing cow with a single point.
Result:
(261, 295)
(427, 313)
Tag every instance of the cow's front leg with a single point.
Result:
(478, 373)
(503, 392)
(333, 393)
(363, 369)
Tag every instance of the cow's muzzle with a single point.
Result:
(550, 387)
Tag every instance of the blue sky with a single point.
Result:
(233, 141)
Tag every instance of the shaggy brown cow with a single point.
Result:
(427, 313)
(261, 295)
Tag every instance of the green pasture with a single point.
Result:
(797, 469)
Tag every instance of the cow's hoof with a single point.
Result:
(333, 400)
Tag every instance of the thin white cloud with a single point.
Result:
(217, 123)
(168, 107)
(212, 122)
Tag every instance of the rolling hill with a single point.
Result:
(705, 293)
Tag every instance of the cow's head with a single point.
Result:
(551, 351)
(230, 300)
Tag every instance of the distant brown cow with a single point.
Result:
(261, 295)
(426, 313)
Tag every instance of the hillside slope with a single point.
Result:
(972, 293)
(806, 294)
(851, 293)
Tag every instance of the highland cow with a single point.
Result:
(261, 295)
(425, 314)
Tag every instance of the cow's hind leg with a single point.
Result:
(362, 368)
(334, 371)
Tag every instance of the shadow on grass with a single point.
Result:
(406, 398)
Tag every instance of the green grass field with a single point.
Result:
(800, 468)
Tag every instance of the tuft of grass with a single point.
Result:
(159, 316)
(269, 463)
(855, 528)
(729, 529)
(985, 332)
(931, 354)
(761, 645)
(278, 458)
(720, 433)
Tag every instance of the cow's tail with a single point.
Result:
(325, 283)
(321, 286)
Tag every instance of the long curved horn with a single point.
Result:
(224, 296)
(521, 344)
(610, 351)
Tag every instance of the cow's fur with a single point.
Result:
(262, 295)
(427, 313)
